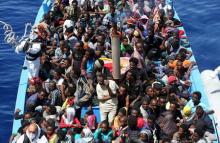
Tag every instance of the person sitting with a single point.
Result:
(86, 136)
(33, 135)
(201, 116)
(121, 113)
(51, 134)
(103, 133)
(196, 101)
(121, 134)
(68, 119)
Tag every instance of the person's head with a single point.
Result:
(42, 94)
(52, 85)
(122, 90)
(99, 64)
(125, 41)
(69, 114)
(112, 9)
(199, 112)
(90, 30)
(162, 101)
(32, 131)
(100, 78)
(139, 46)
(62, 45)
(157, 88)
(78, 45)
(132, 122)
(145, 103)
(170, 14)
(149, 91)
(130, 76)
(183, 130)
(87, 133)
(162, 2)
(123, 121)
(122, 112)
(67, 63)
(145, 135)
(196, 97)
(89, 53)
(57, 74)
(74, 3)
(133, 62)
(172, 80)
(135, 112)
(51, 110)
(69, 92)
(153, 103)
(179, 65)
(104, 126)
(50, 130)
(198, 134)
(173, 106)
(151, 120)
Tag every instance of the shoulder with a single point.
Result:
(20, 139)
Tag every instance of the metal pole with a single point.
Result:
(115, 44)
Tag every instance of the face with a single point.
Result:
(181, 131)
(90, 30)
(195, 99)
(56, 76)
(134, 113)
(143, 137)
(172, 107)
(132, 65)
(150, 92)
(145, 105)
(104, 128)
(199, 113)
(61, 45)
(139, 47)
(41, 95)
(150, 122)
(162, 102)
(125, 42)
(129, 76)
(195, 137)
(153, 104)
(100, 80)
(123, 122)
(122, 91)
(179, 65)
(49, 130)
(32, 129)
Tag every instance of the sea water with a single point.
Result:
(200, 19)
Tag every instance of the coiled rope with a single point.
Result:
(10, 35)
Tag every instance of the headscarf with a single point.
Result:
(88, 135)
(31, 135)
(70, 113)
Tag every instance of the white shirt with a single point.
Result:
(102, 91)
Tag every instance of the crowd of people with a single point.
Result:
(150, 103)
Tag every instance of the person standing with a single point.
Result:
(107, 95)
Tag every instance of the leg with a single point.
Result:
(112, 114)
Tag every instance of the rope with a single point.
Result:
(10, 35)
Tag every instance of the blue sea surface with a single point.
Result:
(15, 13)
(200, 19)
